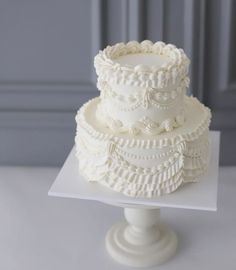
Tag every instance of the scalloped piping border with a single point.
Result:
(143, 143)
(144, 76)
(156, 94)
(113, 170)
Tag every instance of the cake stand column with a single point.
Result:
(141, 241)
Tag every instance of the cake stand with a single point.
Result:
(142, 240)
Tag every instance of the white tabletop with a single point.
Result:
(41, 232)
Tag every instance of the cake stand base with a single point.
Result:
(142, 241)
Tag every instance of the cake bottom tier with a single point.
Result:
(143, 166)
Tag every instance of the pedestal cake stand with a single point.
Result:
(142, 240)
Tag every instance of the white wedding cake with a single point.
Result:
(143, 136)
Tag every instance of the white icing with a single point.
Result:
(151, 86)
(147, 59)
(197, 120)
(156, 76)
(143, 125)
(143, 136)
(143, 166)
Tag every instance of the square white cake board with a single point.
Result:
(200, 196)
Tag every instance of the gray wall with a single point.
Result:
(46, 64)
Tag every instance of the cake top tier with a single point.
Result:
(145, 64)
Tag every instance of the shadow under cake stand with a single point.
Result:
(143, 240)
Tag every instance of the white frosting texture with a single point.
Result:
(143, 136)
(142, 87)
(156, 76)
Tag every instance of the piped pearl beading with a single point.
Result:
(108, 160)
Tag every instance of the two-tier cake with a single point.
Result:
(143, 136)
